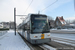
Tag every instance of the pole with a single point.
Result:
(15, 20)
(38, 12)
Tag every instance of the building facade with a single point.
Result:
(1, 25)
(7, 25)
(59, 22)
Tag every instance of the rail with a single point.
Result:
(47, 47)
(32, 47)
(67, 41)
(44, 48)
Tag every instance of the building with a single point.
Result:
(5, 24)
(59, 22)
(1, 25)
(72, 26)
(12, 25)
(51, 22)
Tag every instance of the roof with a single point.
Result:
(61, 18)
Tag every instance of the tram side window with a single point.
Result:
(27, 26)
(23, 28)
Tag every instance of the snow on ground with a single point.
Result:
(64, 36)
(2, 32)
(64, 42)
(51, 48)
(63, 29)
(11, 42)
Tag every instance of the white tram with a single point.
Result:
(35, 29)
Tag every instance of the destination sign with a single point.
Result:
(40, 18)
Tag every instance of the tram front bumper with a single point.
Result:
(39, 41)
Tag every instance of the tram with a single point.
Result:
(35, 29)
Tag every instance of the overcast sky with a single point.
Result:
(63, 8)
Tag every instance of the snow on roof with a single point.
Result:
(62, 20)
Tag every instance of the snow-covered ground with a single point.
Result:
(51, 48)
(9, 41)
(64, 36)
(2, 32)
(63, 29)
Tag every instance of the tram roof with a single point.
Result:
(29, 16)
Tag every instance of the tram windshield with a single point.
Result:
(39, 24)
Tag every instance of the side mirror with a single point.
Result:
(32, 23)
(49, 24)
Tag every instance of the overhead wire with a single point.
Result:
(49, 5)
(28, 6)
(74, 5)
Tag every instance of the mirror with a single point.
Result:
(32, 23)
(49, 23)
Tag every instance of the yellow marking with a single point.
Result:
(42, 36)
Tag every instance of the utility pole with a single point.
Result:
(15, 20)
(38, 12)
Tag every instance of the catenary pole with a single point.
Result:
(15, 20)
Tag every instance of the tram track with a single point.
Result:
(32, 47)
(35, 47)
(60, 46)
(66, 41)
(46, 46)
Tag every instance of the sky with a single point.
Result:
(60, 8)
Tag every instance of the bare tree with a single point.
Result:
(73, 21)
(50, 18)
(68, 21)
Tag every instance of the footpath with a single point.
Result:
(9, 41)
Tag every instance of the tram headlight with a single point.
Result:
(49, 35)
(35, 36)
